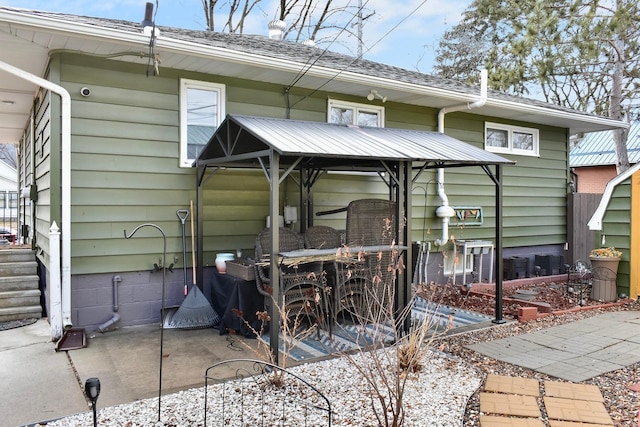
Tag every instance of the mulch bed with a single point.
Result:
(481, 297)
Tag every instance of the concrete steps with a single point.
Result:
(19, 285)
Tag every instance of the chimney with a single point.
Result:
(148, 15)
(276, 29)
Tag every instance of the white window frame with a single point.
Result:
(357, 109)
(185, 85)
(510, 130)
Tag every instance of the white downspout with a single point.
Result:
(65, 130)
(445, 211)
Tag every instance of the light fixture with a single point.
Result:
(373, 94)
(92, 391)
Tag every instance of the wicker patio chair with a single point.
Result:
(302, 288)
(370, 222)
(322, 237)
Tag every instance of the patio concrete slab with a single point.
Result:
(497, 421)
(576, 351)
(587, 392)
(577, 410)
(39, 384)
(36, 382)
(559, 423)
(509, 404)
(507, 401)
(512, 385)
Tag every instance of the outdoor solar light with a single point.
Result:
(92, 391)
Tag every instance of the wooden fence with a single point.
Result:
(580, 208)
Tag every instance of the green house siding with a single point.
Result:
(45, 177)
(534, 190)
(125, 172)
(616, 228)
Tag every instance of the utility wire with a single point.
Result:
(152, 44)
(307, 66)
(356, 58)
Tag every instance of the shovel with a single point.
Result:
(183, 214)
(196, 310)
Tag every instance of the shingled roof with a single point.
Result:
(29, 37)
(298, 52)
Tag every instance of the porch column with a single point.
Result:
(274, 212)
(498, 249)
(403, 207)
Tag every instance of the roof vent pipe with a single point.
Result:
(445, 211)
(148, 15)
(276, 29)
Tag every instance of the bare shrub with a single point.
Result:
(388, 362)
(293, 330)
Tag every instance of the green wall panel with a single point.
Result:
(616, 227)
(125, 170)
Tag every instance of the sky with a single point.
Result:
(411, 43)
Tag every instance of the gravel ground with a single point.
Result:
(445, 394)
(435, 397)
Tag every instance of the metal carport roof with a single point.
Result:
(327, 145)
(280, 146)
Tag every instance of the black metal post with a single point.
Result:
(498, 248)
(162, 313)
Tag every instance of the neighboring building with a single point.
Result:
(140, 112)
(616, 223)
(593, 159)
(9, 197)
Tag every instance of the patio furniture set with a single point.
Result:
(326, 274)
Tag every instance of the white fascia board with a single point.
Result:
(595, 223)
(50, 25)
(535, 109)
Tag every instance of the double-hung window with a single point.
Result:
(201, 112)
(351, 113)
(499, 138)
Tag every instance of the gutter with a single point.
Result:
(65, 131)
(595, 223)
(445, 211)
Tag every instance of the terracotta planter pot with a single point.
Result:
(604, 279)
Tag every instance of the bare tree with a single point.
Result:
(238, 11)
(323, 21)
(8, 155)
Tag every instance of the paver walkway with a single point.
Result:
(515, 402)
(576, 351)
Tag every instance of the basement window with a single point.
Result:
(202, 109)
(501, 138)
(351, 113)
